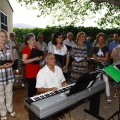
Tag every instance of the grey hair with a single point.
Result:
(28, 36)
(48, 54)
(12, 33)
(69, 33)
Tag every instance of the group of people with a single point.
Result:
(52, 76)
(45, 72)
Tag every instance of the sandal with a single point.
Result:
(109, 101)
(3, 118)
(12, 114)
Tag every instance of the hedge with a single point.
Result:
(47, 32)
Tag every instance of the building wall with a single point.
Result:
(6, 8)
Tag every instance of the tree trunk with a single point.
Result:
(114, 2)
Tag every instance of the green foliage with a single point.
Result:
(76, 11)
(47, 32)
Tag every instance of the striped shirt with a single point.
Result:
(6, 74)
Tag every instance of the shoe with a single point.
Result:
(109, 101)
(3, 118)
(115, 95)
(12, 114)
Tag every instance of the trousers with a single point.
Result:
(6, 99)
(107, 86)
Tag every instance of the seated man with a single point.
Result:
(50, 77)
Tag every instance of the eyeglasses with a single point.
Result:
(60, 37)
(52, 58)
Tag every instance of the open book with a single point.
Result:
(78, 59)
(113, 72)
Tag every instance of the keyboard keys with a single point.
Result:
(51, 93)
(37, 98)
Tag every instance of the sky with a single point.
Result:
(22, 15)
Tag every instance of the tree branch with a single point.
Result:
(71, 3)
(114, 2)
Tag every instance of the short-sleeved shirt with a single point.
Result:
(47, 79)
(15, 53)
(81, 67)
(116, 58)
(62, 52)
(100, 52)
(49, 44)
(42, 46)
(112, 45)
(31, 69)
(6, 74)
(21, 47)
(54, 50)
(69, 43)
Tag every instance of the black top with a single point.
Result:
(100, 52)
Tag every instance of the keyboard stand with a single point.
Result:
(33, 116)
(94, 106)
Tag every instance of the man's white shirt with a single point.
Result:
(15, 53)
(69, 43)
(48, 79)
(42, 46)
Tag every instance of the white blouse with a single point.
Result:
(62, 51)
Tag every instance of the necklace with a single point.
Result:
(58, 48)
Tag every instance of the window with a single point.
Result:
(3, 21)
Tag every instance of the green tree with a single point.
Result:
(78, 11)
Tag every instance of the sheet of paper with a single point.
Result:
(78, 59)
(92, 58)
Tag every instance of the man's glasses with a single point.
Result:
(52, 58)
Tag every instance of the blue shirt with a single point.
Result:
(112, 45)
(88, 44)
